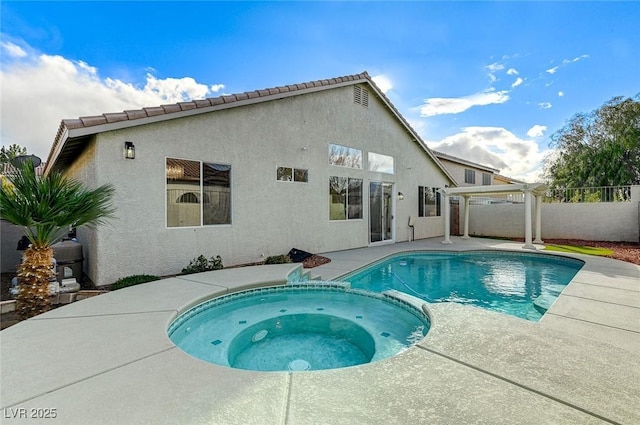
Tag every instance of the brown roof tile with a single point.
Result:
(154, 110)
(71, 123)
(172, 108)
(185, 106)
(95, 120)
(116, 116)
(136, 113)
(202, 103)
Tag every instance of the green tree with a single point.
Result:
(8, 153)
(46, 208)
(600, 148)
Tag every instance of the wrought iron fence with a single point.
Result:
(589, 194)
(563, 195)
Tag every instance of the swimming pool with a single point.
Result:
(520, 284)
(300, 327)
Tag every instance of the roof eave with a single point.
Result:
(416, 137)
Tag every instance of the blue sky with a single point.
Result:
(486, 81)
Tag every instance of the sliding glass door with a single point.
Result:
(380, 212)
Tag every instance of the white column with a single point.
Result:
(447, 219)
(527, 220)
(467, 202)
(538, 238)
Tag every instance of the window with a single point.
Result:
(469, 176)
(189, 182)
(486, 179)
(345, 198)
(345, 156)
(428, 202)
(284, 174)
(300, 175)
(380, 163)
(288, 174)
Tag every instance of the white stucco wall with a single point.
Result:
(606, 221)
(269, 216)
(457, 171)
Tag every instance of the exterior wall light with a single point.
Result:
(129, 150)
(400, 196)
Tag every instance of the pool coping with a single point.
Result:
(577, 365)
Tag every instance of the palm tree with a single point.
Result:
(46, 208)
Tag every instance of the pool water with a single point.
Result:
(300, 327)
(300, 341)
(518, 284)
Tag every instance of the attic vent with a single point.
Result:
(361, 96)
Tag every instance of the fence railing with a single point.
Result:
(590, 194)
(564, 195)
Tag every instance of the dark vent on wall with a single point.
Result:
(361, 96)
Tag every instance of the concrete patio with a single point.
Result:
(108, 360)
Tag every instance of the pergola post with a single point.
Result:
(527, 220)
(467, 203)
(538, 239)
(447, 219)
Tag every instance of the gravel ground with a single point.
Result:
(624, 251)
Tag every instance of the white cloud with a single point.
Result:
(495, 67)
(576, 59)
(383, 82)
(495, 147)
(39, 91)
(517, 82)
(564, 63)
(442, 105)
(545, 105)
(560, 93)
(13, 49)
(512, 71)
(537, 130)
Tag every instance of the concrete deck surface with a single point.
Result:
(108, 360)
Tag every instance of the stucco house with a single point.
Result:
(467, 173)
(320, 166)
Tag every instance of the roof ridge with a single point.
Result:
(459, 159)
(151, 111)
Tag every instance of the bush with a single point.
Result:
(133, 280)
(201, 264)
(277, 259)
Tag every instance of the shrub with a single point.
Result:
(133, 280)
(277, 259)
(201, 264)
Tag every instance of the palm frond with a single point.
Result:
(46, 207)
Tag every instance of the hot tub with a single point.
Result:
(300, 327)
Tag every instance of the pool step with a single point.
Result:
(543, 302)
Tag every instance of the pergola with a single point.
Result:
(534, 189)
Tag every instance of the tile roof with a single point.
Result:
(448, 157)
(68, 126)
(201, 103)
(209, 103)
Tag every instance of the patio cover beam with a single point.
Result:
(535, 189)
